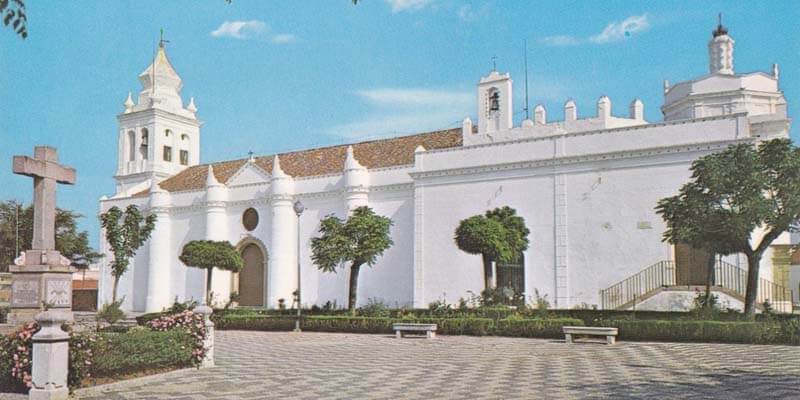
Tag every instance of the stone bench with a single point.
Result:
(609, 333)
(428, 329)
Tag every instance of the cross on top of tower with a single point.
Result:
(494, 63)
(161, 40)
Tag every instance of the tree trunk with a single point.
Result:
(114, 290)
(710, 278)
(352, 296)
(487, 272)
(208, 287)
(753, 261)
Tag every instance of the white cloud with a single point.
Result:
(415, 97)
(465, 13)
(616, 31)
(240, 29)
(282, 38)
(407, 110)
(251, 30)
(560, 40)
(408, 5)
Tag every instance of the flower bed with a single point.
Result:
(168, 342)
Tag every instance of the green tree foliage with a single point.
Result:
(71, 242)
(359, 240)
(209, 254)
(125, 233)
(12, 12)
(500, 236)
(730, 195)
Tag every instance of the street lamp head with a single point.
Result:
(298, 207)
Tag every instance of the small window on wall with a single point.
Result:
(167, 133)
(184, 157)
(167, 153)
(250, 219)
(184, 137)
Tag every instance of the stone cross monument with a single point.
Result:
(41, 275)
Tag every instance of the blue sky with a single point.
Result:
(272, 76)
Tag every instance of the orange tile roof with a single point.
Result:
(321, 161)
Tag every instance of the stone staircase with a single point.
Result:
(660, 277)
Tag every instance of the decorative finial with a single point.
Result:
(277, 171)
(211, 179)
(191, 107)
(494, 63)
(128, 103)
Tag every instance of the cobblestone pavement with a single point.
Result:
(259, 365)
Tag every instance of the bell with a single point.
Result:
(495, 102)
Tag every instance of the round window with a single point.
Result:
(250, 219)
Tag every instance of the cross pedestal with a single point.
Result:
(41, 275)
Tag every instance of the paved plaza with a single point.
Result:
(257, 365)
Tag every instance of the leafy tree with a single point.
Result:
(359, 240)
(71, 242)
(730, 195)
(209, 254)
(690, 219)
(500, 236)
(13, 14)
(125, 233)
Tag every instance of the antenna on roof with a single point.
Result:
(525, 53)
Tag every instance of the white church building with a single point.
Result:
(586, 187)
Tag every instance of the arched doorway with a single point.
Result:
(252, 279)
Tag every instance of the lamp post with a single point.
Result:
(298, 209)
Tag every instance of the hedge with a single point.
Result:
(253, 322)
(769, 332)
(138, 350)
(538, 328)
(446, 326)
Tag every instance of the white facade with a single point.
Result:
(586, 186)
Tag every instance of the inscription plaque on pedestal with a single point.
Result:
(25, 293)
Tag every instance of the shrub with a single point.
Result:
(189, 322)
(348, 324)
(253, 322)
(786, 332)
(538, 328)
(374, 308)
(111, 313)
(138, 350)
(461, 326)
(16, 352)
(178, 307)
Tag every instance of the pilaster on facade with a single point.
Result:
(560, 224)
(418, 295)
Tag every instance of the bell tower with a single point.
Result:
(158, 135)
(494, 102)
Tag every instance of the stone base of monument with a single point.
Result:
(38, 286)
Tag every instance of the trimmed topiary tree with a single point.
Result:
(500, 236)
(359, 240)
(209, 254)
